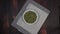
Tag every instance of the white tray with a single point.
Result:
(33, 28)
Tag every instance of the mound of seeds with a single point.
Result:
(30, 17)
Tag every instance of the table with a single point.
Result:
(10, 8)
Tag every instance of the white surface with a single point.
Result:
(33, 29)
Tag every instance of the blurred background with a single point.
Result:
(10, 8)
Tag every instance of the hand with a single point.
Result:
(43, 29)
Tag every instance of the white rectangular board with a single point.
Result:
(34, 28)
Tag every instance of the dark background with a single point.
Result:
(10, 8)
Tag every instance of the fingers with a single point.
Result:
(43, 29)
